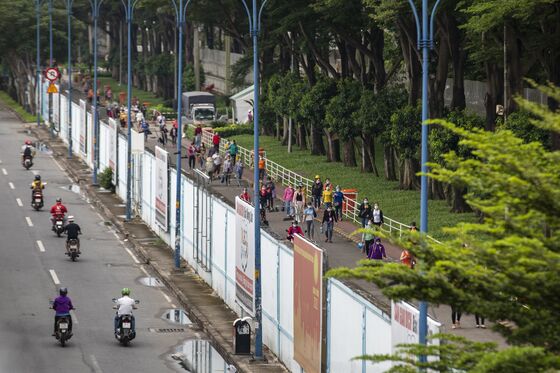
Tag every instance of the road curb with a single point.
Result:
(220, 343)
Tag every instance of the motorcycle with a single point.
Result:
(73, 248)
(58, 226)
(124, 333)
(62, 332)
(27, 162)
(37, 201)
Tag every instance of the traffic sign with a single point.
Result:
(52, 74)
(52, 88)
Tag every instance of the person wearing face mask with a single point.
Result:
(309, 214)
(338, 197)
(317, 192)
(364, 212)
(377, 215)
(367, 238)
(293, 230)
(329, 218)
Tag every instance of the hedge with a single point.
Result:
(234, 129)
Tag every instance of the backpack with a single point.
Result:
(27, 152)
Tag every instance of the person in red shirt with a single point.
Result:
(216, 142)
(294, 229)
(58, 210)
(198, 135)
(245, 195)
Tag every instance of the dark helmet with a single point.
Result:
(37, 177)
(63, 291)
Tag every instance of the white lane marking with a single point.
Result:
(166, 297)
(132, 255)
(41, 246)
(11, 185)
(20, 204)
(96, 367)
(116, 235)
(144, 270)
(100, 217)
(173, 305)
(29, 222)
(54, 277)
(74, 318)
(4, 171)
(70, 179)
(58, 164)
(35, 172)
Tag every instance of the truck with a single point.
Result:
(199, 107)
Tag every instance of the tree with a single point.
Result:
(504, 267)
(405, 139)
(339, 116)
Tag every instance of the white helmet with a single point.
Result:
(70, 218)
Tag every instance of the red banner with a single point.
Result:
(308, 301)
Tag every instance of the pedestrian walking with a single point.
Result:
(329, 218)
(271, 187)
(239, 170)
(456, 314)
(210, 167)
(227, 170)
(216, 141)
(145, 129)
(328, 196)
(287, 198)
(317, 192)
(217, 159)
(262, 168)
(377, 215)
(377, 250)
(198, 135)
(479, 321)
(298, 202)
(364, 212)
(338, 197)
(173, 132)
(200, 153)
(309, 215)
(367, 238)
(233, 150)
(191, 153)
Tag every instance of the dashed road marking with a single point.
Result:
(29, 222)
(35, 172)
(58, 164)
(74, 317)
(54, 277)
(11, 185)
(166, 296)
(41, 246)
(144, 270)
(132, 255)
(96, 367)
(20, 204)
(4, 171)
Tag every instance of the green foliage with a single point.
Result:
(504, 267)
(520, 124)
(189, 78)
(106, 179)
(405, 131)
(314, 101)
(339, 111)
(284, 94)
(234, 129)
(12, 104)
(218, 124)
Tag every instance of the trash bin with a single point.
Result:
(350, 201)
(242, 336)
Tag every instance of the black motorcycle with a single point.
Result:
(27, 162)
(37, 201)
(73, 248)
(124, 333)
(58, 226)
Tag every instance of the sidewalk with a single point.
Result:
(342, 252)
(203, 307)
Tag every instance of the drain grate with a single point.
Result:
(167, 330)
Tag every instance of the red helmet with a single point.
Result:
(27, 142)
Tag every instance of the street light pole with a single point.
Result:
(254, 16)
(38, 4)
(69, 119)
(51, 124)
(95, 5)
(425, 39)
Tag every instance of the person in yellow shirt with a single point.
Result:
(328, 197)
(37, 184)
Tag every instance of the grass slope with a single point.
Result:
(8, 101)
(143, 96)
(401, 205)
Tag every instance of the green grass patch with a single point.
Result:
(8, 101)
(143, 96)
(400, 205)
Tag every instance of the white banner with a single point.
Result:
(161, 192)
(83, 126)
(245, 255)
(112, 148)
(405, 324)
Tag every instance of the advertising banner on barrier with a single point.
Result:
(83, 126)
(161, 192)
(245, 255)
(404, 325)
(308, 304)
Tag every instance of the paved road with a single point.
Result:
(32, 264)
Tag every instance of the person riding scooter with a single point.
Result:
(124, 306)
(57, 211)
(27, 151)
(37, 186)
(72, 232)
(62, 306)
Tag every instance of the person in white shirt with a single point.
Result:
(124, 306)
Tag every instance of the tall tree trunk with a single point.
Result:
(458, 58)
(349, 154)
(514, 68)
(408, 179)
(389, 163)
(437, 86)
(317, 144)
(368, 154)
(435, 190)
(377, 42)
(301, 134)
(333, 150)
(494, 83)
(459, 204)
(285, 130)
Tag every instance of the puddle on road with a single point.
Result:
(176, 316)
(199, 356)
(150, 281)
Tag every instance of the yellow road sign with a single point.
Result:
(52, 89)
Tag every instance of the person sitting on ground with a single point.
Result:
(293, 230)
(377, 250)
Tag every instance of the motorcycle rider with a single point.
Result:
(37, 185)
(124, 306)
(58, 210)
(72, 230)
(27, 150)
(62, 306)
